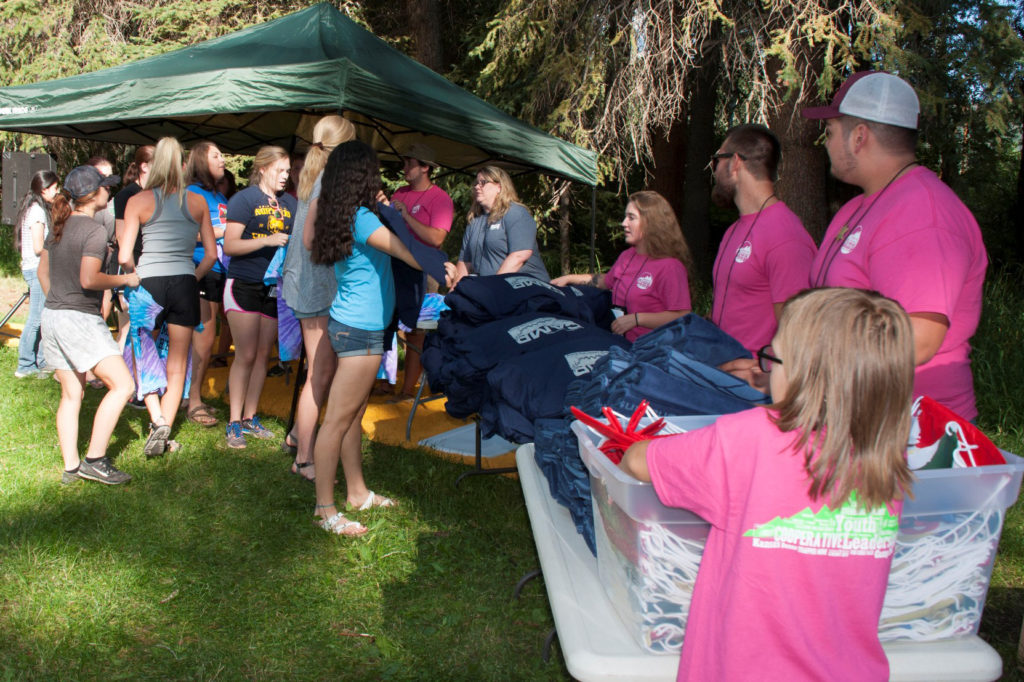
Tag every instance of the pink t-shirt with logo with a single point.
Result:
(431, 207)
(916, 243)
(787, 588)
(640, 284)
(761, 261)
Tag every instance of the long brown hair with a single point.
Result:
(197, 169)
(848, 359)
(663, 238)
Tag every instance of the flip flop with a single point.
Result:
(202, 415)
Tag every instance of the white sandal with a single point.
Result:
(375, 500)
(334, 525)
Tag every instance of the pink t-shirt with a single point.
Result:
(640, 284)
(761, 261)
(787, 589)
(916, 243)
(431, 207)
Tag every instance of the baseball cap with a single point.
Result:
(421, 153)
(84, 180)
(873, 96)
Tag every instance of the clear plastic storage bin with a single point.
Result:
(648, 554)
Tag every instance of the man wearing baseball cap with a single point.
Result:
(907, 236)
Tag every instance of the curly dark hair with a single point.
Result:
(351, 180)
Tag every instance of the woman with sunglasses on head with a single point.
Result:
(204, 171)
(33, 224)
(167, 219)
(259, 220)
(348, 234)
(501, 236)
(75, 336)
(649, 281)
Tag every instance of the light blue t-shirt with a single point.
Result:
(218, 207)
(366, 288)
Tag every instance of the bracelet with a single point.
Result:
(636, 318)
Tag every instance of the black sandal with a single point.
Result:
(296, 470)
(291, 449)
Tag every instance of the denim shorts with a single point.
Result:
(350, 342)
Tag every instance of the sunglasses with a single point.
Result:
(276, 206)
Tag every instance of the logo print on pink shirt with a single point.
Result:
(743, 253)
(851, 242)
(645, 281)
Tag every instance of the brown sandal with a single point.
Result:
(202, 415)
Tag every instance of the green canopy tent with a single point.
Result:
(268, 84)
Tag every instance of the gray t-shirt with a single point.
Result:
(486, 244)
(306, 287)
(81, 237)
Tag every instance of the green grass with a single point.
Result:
(206, 565)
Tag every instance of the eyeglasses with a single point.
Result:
(765, 359)
(715, 158)
(481, 183)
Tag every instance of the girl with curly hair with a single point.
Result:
(347, 233)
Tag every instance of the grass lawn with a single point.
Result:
(206, 565)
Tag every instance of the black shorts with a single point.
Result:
(179, 296)
(241, 296)
(211, 287)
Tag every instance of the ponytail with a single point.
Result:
(60, 211)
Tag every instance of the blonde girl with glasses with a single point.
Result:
(803, 497)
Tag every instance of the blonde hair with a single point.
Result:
(165, 168)
(663, 238)
(264, 158)
(328, 133)
(506, 195)
(849, 370)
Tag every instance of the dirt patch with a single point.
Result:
(11, 289)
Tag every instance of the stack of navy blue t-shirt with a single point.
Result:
(509, 347)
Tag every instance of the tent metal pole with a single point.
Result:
(593, 228)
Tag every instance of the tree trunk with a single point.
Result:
(700, 145)
(804, 168)
(1018, 214)
(425, 28)
(679, 161)
(564, 226)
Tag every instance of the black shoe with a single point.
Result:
(137, 403)
(69, 477)
(103, 471)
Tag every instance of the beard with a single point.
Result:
(723, 196)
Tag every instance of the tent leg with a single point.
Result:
(593, 228)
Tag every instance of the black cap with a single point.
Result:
(84, 180)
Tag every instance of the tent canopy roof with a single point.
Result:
(268, 84)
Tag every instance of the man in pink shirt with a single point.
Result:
(765, 256)
(908, 236)
(428, 211)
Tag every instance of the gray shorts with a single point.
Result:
(74, 340)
